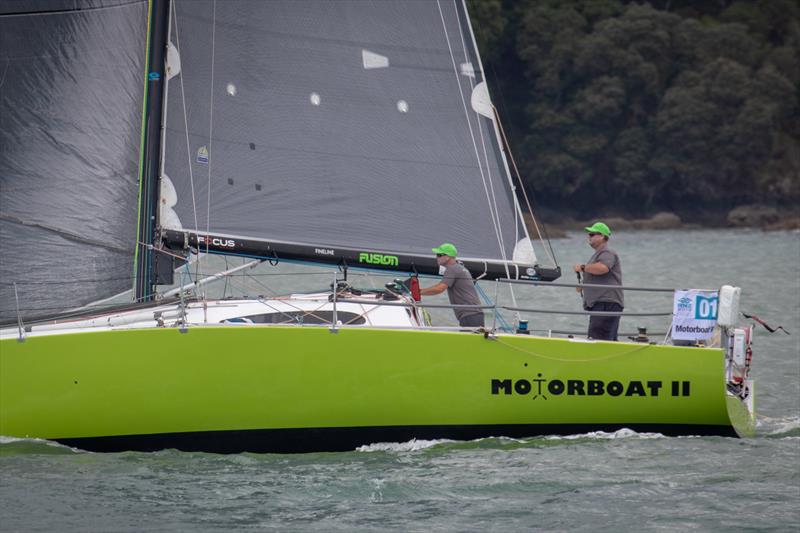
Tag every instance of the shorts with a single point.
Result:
(471, 321)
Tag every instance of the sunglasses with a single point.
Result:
(593, 234)
(440, 255)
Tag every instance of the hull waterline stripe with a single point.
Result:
(304, 440)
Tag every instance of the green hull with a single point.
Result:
(232, 389)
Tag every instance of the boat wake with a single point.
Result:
(623, 433)
(411, 446)
(415, 445)
(788, 426)
(19, 445)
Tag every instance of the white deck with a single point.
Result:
(295, 310)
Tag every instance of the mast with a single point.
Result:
(158, 26)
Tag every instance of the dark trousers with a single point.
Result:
(604, 328)
(471, 321)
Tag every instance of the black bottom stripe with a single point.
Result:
(346, 439)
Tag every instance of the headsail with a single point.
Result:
(70, 122)
(336, 131)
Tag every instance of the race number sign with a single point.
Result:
(694, 315)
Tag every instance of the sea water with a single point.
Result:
(608, 481)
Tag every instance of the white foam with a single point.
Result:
(623, 433)
(782, 425)
(10, 440)
(410, 446)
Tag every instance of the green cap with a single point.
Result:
(599, 227)
(446, 249)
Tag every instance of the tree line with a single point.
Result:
(638, 107)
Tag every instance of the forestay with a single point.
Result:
(334, 124)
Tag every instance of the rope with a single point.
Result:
(227, 279)
(186, 127)
(562, 360)
(549, 248)
(483, 143)
(186, 272)
(494, 212)
(491, 183)
(289, 304)
(504, 325)
(210, 126)
(551, 253)
(584, 313)
(469, 125)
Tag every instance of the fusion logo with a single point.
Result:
(540, 388)
(378, 259)
(323, 251)
(217, 241)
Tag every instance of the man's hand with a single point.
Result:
(596, 269)
(436, 289)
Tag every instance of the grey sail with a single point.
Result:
(334, 124)
(71, 92)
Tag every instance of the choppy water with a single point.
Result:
(621, 481)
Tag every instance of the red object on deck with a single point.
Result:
(415, 289)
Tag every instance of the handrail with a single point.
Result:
(589, 313)
(506, 308)
(593, 285)
(340, 298)
(433, 306)
(583, 332)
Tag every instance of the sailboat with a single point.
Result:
(348, 134)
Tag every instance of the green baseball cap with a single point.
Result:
(599, 227)
(446, 249)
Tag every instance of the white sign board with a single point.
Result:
(694, 314)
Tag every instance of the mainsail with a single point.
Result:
(71, 93)
(347, 131)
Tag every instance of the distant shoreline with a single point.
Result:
(751, 217)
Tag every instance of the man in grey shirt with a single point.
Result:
(459, 285)
(603, 268)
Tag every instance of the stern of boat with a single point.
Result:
(739, 386)
(741, 409)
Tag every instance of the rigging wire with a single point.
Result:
(186, 131)
(495, 212)
(525, 194)
(493, 215)
(227, 281)
(546, 239)
(504, 325)
(210, 127)
(501, 241)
